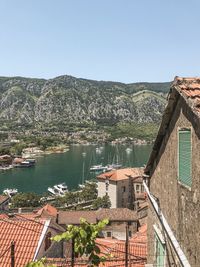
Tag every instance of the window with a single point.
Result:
(129, 233)
(109, 234)
(184, 157)
(160, 251)
(47, 241)
(137, 188)
(123, 189)
(107, 184)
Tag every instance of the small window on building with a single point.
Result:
(137, 188)
(123, 189)
(109, 234)
(142, 188)
(107, 184)
(184, 157)
(129, 233)
(47, 241)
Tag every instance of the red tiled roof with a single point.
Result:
(122, 174)
(26, 235)
(189, 88)
(48, 210)
(117, 214)
(141, 235)
(114, 250)
(73, 217)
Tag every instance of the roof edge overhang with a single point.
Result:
(44, 230)
(174, 95)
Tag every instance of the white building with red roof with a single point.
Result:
(123, 186)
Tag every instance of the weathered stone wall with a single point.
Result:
(179, 204)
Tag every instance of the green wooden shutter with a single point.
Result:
(160, 252)
(185, 157)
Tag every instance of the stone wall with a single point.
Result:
(179, 204)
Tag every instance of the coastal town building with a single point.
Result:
(26, 239)
(118, 218)
(123, 186)
(114, 250)
(5, 160)
(142, 212)
(173, 176)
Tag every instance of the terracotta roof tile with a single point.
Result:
(140, 236)
(25, 234)
(117, 214)
(190, 89)
(48, 210)
(116, 250)
(73, 217)
(122, 174)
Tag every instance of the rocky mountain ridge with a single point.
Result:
(28, 102)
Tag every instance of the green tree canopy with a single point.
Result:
(26, 200)
(102, 202)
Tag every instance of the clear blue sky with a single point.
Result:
(119, 40)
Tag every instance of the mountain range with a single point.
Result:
(66, 100)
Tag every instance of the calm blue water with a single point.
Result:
(70, 167)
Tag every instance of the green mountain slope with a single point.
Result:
(66, 100)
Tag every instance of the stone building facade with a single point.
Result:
(119, 219)
(174, 177)
(123, 186)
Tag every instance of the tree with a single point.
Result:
(102, 202)
(83, 237)
(89, 192)
(39, 263)
(26, 200)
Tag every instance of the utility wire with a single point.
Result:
(5, 252)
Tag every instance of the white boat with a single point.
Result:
(98, 150)
(10, 192)
(84, 154)
(58, 189)
(98, 168)
(25, 164)
(129, 150)
(113, 166)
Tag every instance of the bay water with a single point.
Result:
(72, 167)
